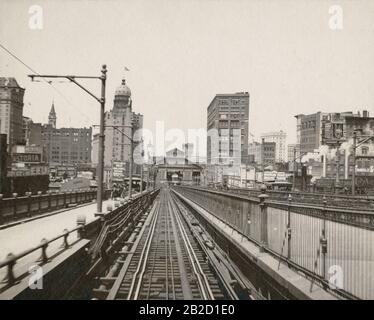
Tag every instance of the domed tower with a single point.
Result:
(122, 97)
(52, 118)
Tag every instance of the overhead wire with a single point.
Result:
(49, 82)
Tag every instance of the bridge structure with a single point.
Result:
(188, 242)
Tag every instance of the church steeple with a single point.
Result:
(52, 118)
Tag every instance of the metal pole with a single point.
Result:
(354, 163)
(263, 160)
(294, 169)
(246, 175)
(131, 158)
(141, 178)
(100, 183)
(337, 181)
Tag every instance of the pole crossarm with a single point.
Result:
(71, 79)
(102, 78)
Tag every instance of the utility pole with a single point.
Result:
(101, 100)
(131, 157)
(147, 177)
(337, 181)
(263, 159)
(246, 175)
(141, 178)
(294, 169)
(100, 184)
(354, 163)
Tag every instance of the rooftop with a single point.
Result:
(9, 82)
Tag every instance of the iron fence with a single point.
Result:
(333, 246)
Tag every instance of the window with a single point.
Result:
(364, 151)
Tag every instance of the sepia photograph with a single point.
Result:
(196, 151)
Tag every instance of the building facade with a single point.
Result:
(262, 153)
(228, 116)
(11, 110)
(321, 128)
(293, 151)
(309, 131)
(279, 138)
(64, 146)
(177, 169)
(120, 123)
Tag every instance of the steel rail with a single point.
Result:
(201, 276)
(169, 254)
(143, 260)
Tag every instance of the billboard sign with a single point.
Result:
(118, 170)
(27, 157)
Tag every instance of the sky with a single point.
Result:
(182, 52)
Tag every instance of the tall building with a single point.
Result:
(309, 131)
(279, 137)
(262, 153)
(3, 163)
(322, 128)
(227, 113)
(11, 109)
(118, 126)
(64, 146)
(52, 118)
(117, 134)
(293, 151)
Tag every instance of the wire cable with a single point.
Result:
(46, 81)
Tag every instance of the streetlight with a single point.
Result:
(102, 78)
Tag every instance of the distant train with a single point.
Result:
(175, 180)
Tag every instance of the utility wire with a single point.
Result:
(48, 82)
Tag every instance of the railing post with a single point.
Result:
(65, 244)
(49, 200)
(44, 258)
(263, 218)
(10, 278)
(323, 239)
(39, 201)
(28, 194)
(15, 195)
(65, 199)
(289, 231)
(81, 222)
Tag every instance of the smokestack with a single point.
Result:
(365, 114)
(324, 157)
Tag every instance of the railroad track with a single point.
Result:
(170, 258)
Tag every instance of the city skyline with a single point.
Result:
(300, 48)
(192, 150)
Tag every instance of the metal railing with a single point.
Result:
(12, 259)
(16, 208)
(333, 200)
(331, 245)
(120, 221)
(114, 219)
